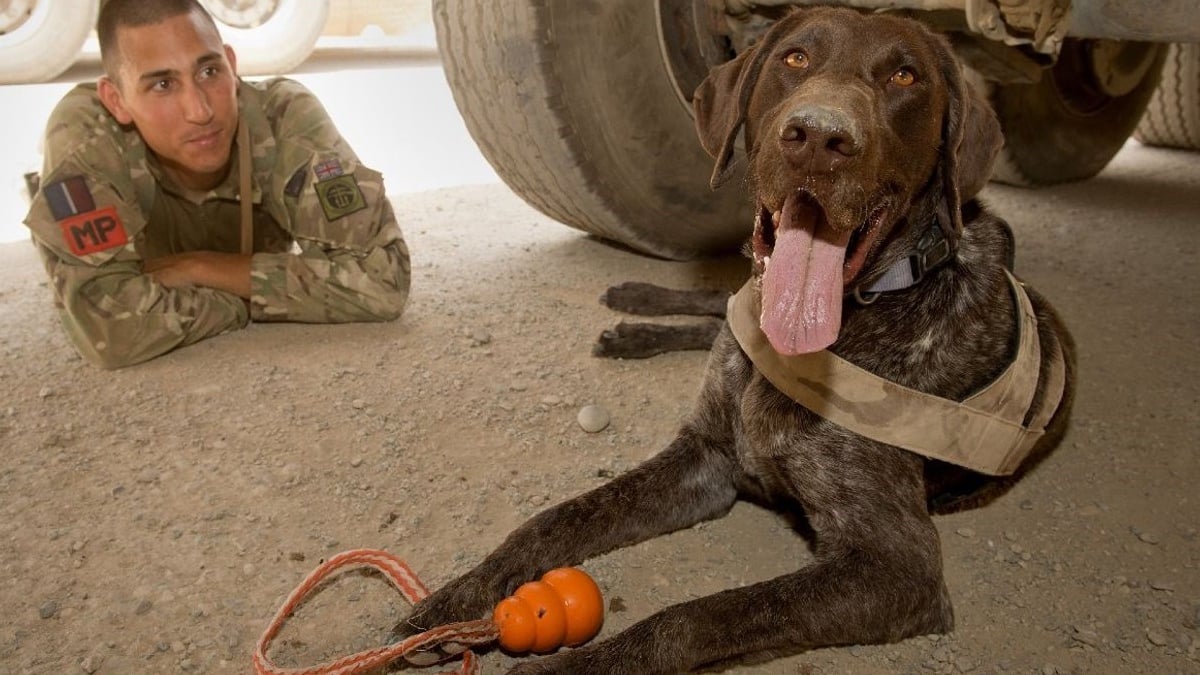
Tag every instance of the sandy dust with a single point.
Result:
(152, 519)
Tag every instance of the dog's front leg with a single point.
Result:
(871, 595)
(691, 480)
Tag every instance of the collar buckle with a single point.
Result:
(933, 250)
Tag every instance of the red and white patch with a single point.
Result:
(94, 231)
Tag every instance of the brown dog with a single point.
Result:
(862, 143)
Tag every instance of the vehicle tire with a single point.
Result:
(270, 37)
(571, 103)
(1070, 124)
(1172, 119)
(39, 39)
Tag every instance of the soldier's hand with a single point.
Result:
(229, 272)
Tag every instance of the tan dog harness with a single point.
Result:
(984, 433)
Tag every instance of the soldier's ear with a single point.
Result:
(232, 57)
(113, 100)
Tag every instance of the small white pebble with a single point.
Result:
(593, 418)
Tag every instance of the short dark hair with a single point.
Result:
(117, 14)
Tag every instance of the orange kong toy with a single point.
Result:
(563, 608)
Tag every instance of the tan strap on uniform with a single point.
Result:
(983, 433)
(245, 191)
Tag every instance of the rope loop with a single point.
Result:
(416, 649)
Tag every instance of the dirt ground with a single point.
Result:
(153, 519)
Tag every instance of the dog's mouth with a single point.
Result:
(805, 263)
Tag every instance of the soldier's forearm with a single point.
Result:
(229, 272)
(332, 286)
(110, 333)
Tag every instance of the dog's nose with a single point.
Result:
(821, 137)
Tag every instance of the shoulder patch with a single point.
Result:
(94, 231)
(295, 185)
(340, 197)
(330, 168)
(69, 197)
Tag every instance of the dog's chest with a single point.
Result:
(785, 448)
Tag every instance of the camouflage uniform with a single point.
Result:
(326, 244)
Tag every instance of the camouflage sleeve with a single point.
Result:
(353, 264)
(116, 316)
(113, 313)
(358, 274)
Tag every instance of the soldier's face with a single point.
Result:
(178, 86)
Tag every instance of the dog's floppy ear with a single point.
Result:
(721, 100)
(971, 138)
(720, 105)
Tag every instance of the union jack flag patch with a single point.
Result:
(330, 168)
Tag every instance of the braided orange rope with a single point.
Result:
(401, 576)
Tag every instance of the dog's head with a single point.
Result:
(852, 122)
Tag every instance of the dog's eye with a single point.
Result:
(904, 77)
(796, 59)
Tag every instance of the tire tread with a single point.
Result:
(488, 100)
(526, 95)
(1173, 117)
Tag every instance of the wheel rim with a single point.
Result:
(14, 14)
(1090, 74)
(1121, 66)
(242, 13)
(692, 41)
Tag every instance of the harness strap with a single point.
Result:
(984, 433)
(245, 190)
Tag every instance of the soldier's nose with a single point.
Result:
(195, 106)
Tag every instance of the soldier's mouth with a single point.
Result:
(206, 140)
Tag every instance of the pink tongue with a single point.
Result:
(802, 286)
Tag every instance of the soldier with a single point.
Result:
(137, 219)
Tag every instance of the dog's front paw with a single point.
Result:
(572, 662)
(465, 599)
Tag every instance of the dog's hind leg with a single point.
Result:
(635, 297)
(691, 480)
(642, 340)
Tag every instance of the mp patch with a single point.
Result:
(340, 197)
(330, 168)
(94, 231)
(69, 197)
